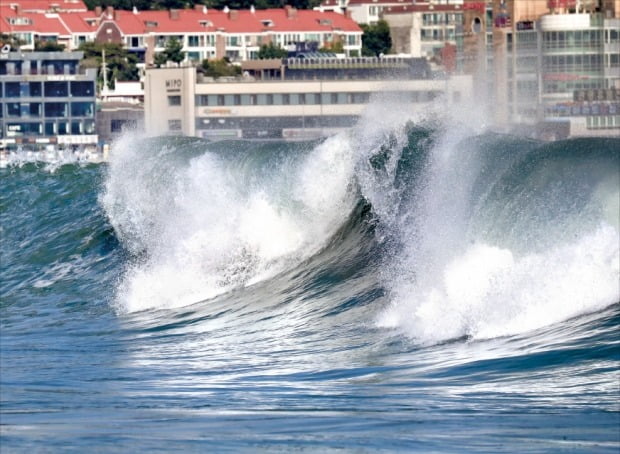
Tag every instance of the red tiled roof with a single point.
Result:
(76, 22)
(380, 2)
(42, 24)
(400, 9)
(186, 21)
(242, 21)
(46, 5)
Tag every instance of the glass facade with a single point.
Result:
(39, 110)
(571, 60)
(83, 89)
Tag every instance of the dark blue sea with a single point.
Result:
(404, 286)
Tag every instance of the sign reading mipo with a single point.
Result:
(173, 85)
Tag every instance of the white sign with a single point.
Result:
(77, 140)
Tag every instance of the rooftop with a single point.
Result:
(14, 19)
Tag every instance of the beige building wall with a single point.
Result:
(162, 84)
(405, 32)
(527, 10)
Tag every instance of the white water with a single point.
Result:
(487, 291)
(50, 159)
(449, 281)
(208, 226)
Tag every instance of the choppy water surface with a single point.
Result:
(404, 286)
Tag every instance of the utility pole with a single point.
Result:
(104, 69)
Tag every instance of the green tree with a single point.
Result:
(219, 68)
(11, 40)
(271, 51)
(120, 64)
(173, 52)
(376, 39)
(48, 46)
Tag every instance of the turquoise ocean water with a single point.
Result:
(394, 288)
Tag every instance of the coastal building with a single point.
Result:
(204, 32)
(116, 117)
(47, 6)
(46, 98)
(296, 98)
(424, 30)
(580, 77)
(559, 68)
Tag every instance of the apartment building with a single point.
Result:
(423, 30)
(46, 98)
(204, 32)
(558, 67)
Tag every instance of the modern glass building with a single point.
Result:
(46, 98)
(580, 77)
(563, 68)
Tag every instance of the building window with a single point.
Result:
(12, 89)
(35, 88)
(174, 125)
(55, 109)
(202, 100)
(21, 129)
(63, 128)
(57, 89)
(89, 126)
(13, 109)
(118, 126)
(76, 127)
(50, 128)
(174, 100)
(82, 109)
(82, 88)
(34, 109)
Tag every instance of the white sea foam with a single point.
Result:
(449, 281)
(206, 226)
(50, 160)
(488, 291)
